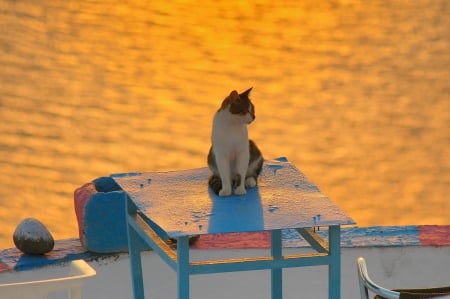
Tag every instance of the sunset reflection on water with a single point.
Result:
(355, 93)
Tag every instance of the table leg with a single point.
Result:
(134, 249)
(136, 264)
(276, 274)
(183, 267)
(334, 270)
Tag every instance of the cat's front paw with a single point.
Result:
(225, 192)
(240, 190)
(250, 182)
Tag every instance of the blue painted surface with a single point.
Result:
(106, 184)
(64, 251)
(380, 236)
(71, 249)
(104, 223)
(375, 236)
(334, 266)
(182, 204)
(283, 199)
(276, 275)
(106, 232)
(183, 268)
(139, 231)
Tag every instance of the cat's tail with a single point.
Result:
(215, 183)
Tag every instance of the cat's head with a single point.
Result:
(240, 106)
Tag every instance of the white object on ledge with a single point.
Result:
(79, 271)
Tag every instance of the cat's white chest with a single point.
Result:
(229, 134)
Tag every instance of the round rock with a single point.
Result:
(32, 237)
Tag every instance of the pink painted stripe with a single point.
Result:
(81, 196)
(434, 235)
(234, 241)
(3, 267)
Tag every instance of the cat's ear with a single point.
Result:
(233, 95)
(229, 99)
(247, 92)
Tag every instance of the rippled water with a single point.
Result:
(355, 93)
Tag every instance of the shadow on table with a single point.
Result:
(236, 213)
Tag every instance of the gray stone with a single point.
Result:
(32, 237)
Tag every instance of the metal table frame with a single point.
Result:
(142, 232)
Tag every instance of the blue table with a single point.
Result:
(179, 205)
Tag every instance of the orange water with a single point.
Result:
(355, 93)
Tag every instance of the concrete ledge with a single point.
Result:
(354, 237)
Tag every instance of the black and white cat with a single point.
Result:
(234, 160)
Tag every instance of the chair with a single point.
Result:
(366, 284)
(79, 271)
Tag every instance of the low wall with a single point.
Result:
(390, 266)
(353, 237)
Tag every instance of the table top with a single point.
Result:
(181, 203)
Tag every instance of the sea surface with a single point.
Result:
(355, 93)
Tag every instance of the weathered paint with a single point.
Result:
(392, 267)
(376, 236)
(116, 242)
(104, 223)
(181, 203)
(353, 237)
(283, 199)
(434, 235)
(101, 219)
(64, 251)
(99, 207)
(100, 211)
(3, 267)
(81, 196)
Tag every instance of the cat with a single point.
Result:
(235, 161)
